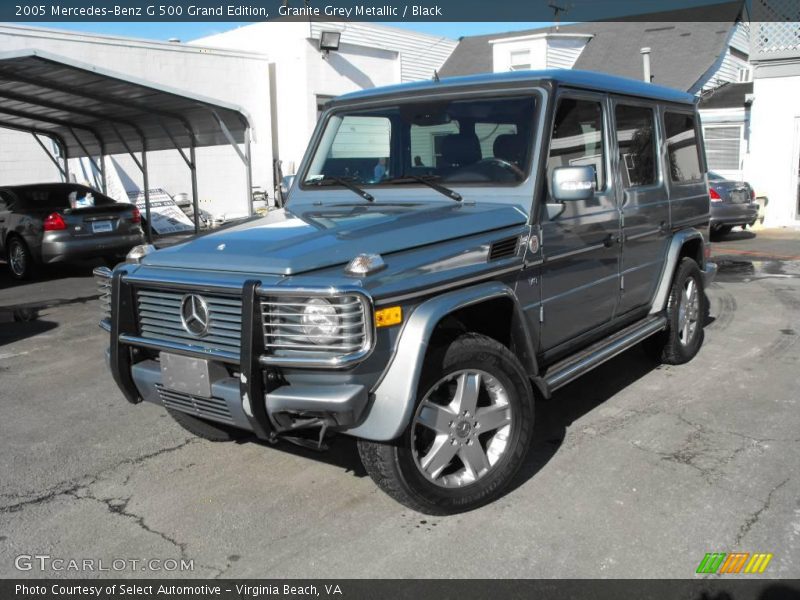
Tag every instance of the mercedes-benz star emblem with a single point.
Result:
(194, 314)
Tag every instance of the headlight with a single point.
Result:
(137, 253)
(320, 321)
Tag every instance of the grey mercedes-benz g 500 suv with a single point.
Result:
(450, 251)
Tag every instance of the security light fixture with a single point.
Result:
(329, 40)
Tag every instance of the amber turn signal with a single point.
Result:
(385, 317)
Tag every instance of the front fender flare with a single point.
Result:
(394, 396)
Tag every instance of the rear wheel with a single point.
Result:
(722, 230)
(470, 432)
(213, 432)
(686, 309)
(20, 260)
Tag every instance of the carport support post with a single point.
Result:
(65, 156)
(102, 160)
(146, 183)
(195, 201)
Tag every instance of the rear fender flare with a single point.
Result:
(679, 240)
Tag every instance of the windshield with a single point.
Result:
(482, 141)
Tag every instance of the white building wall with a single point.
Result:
(503, 52)
(545, 51)
(368, 56)
(732, 62)
(235, 78)
(22, 160)
(420, 54)
(563, 53)
(775, 145)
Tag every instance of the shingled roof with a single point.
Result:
(681, 52)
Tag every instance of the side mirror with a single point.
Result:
(568, 184)
(286, 183)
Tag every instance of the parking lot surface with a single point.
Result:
(637, 470)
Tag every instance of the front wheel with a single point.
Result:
(470, 433)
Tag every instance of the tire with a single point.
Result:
(470, 362)
(213, 432)
(20, 261)
(681, 340)
(722, 230)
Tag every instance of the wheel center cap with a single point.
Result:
(463, 429)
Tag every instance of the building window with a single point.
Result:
(723, 147)
(520, 60)
(682, 148)
(637, 145)
(745, 74)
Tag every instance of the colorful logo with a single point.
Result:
(734, 562)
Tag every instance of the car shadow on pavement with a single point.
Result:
(554, 416)
(20, 323)
(734, 236)
(342, 452)
(52, 272)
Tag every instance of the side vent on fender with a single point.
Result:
(504, 248)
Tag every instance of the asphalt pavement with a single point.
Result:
(637, 470)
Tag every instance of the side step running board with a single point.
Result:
(572, 367)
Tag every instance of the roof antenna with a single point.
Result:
(435, 75)
(558, 8)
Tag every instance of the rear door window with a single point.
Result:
(682, 147)
(637, 145)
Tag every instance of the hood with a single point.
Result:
(287, 242)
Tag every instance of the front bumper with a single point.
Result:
(342, 405)
(726, 213)
(244, 393)
(60, 248)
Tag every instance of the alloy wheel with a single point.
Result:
(461, 428)
(688, 312)
(16, 258)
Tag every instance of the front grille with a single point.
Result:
(215, 409)
(285, 333)
(102, 278)
(159, 315)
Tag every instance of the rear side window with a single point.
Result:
(60, 197)
(578, 137)
(682, 147)
(637, 145)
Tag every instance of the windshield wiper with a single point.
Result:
(348, 183)
(427, 180)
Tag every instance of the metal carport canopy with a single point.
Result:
(93, 112)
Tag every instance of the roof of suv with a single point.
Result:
(565, 77)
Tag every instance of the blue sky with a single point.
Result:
(188, 31)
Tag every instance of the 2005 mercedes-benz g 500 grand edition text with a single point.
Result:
(450, 251)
